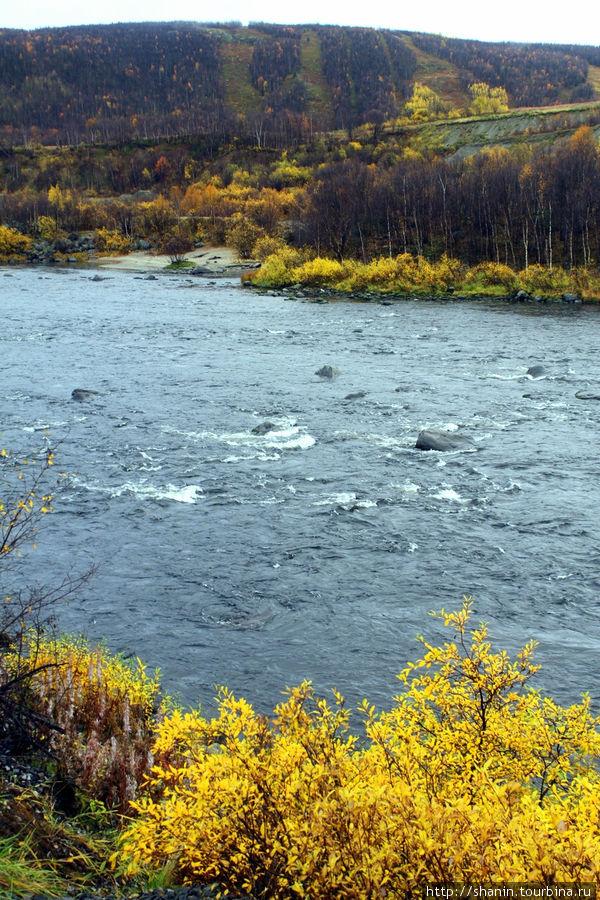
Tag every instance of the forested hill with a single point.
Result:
(225, 81)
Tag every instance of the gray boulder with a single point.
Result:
(80, 394)
(536, 371)
(263, 428)
(431, 439)
(358, 395)
(327, 372)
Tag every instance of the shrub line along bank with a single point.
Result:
(408, 276)
(470, 776)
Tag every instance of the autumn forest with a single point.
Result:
(344, 143)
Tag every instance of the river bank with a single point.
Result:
(210, 261)
(387, 298)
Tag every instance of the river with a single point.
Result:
(254, 524)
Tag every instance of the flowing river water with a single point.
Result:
(254, 524)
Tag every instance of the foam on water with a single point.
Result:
(447, 492)
(189, 493)
(345, 500)
(284, 435)
(291, 442)
(409, 487)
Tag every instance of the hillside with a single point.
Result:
(260, 84)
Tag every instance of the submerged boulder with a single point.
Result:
(587, 395)
(357, 395)
(81, 394)
(431, 439)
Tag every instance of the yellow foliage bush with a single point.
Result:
(277, 269)
(539, 279)
(111, 241)
(379, 273)
(288, 174)
(266, 246)
(47, 228)
(321, 272)
(491, 274)
(585, 282)
(405, 273)
(470, 777)
(12, 242)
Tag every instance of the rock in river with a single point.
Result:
(263, 428)
(536, 371)
(81, 394)
(357, 395)
(431, 439)
(327, 372)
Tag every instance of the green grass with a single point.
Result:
(239, 92)
(594, 78)
(183, 264)
(319, 92)
(21, 873)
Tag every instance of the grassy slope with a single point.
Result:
(441, 76)
(236, 54)
(594, 79)
(312, 71)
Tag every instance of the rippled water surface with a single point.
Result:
(315, 547)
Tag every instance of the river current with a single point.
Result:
(254, 524)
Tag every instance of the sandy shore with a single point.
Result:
(216, 260)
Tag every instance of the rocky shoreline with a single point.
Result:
(386, 298)
(183, 893)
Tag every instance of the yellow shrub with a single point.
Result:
(111, 241)
(287, 174)
(447, 271)
(539, 279)
(471, 776)
(266, 246)
(321, 272)
(490, 274)
(586, 282)
(12, 242)
(380, 273)
(425, 276)
(278, 268)
(273, 273)
(47, 228)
